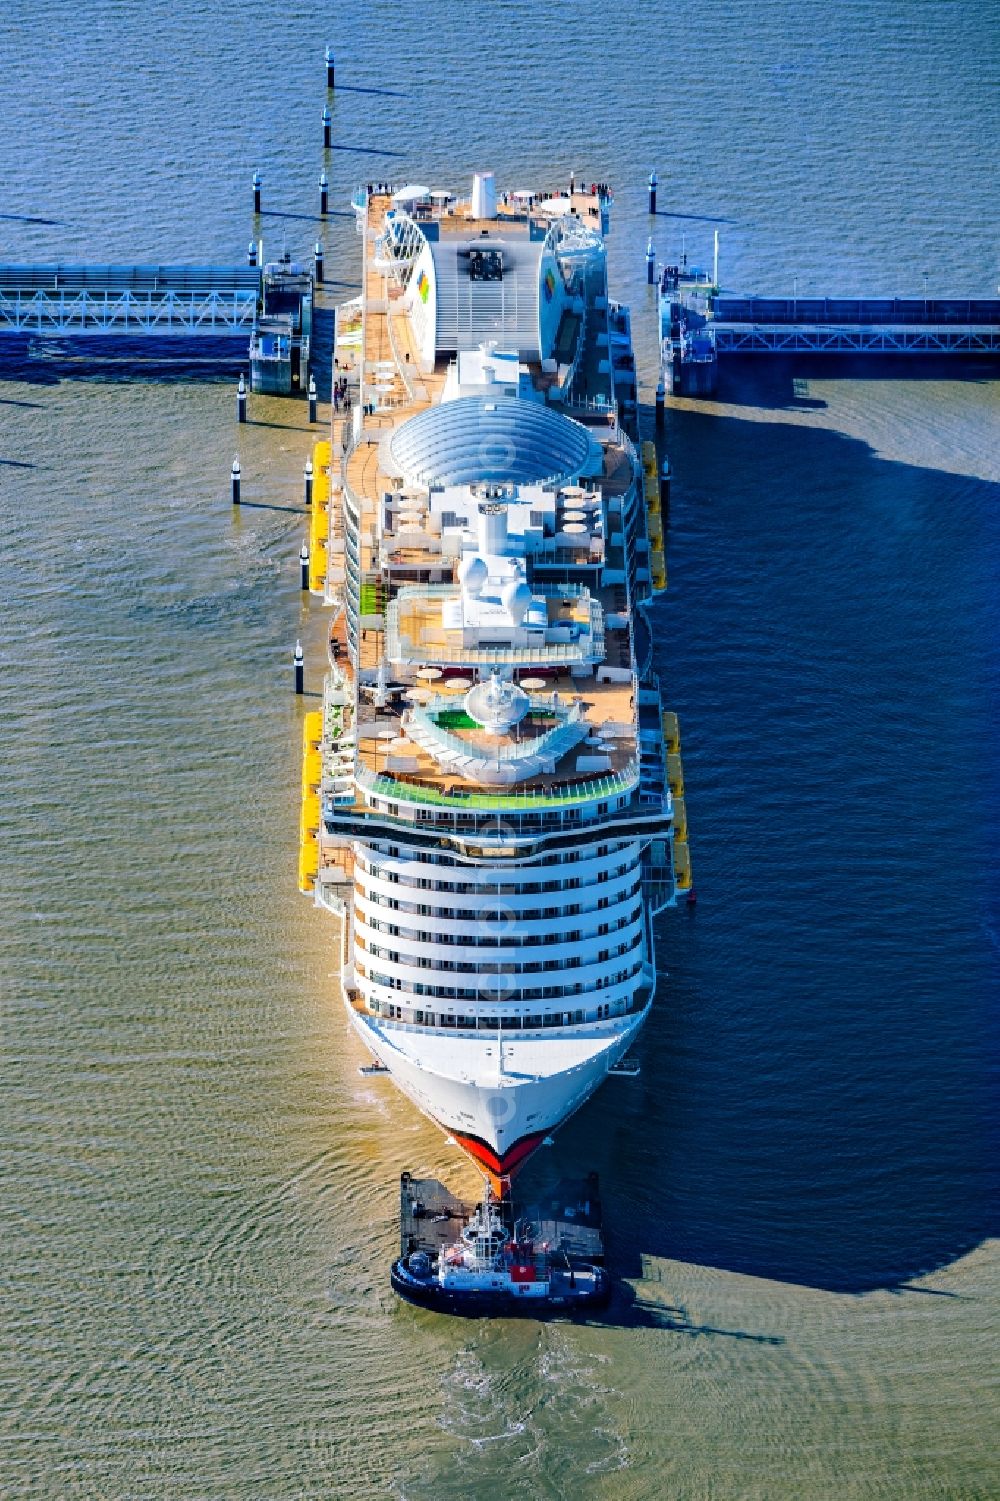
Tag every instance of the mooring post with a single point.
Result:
(318, 264)
(312, 398)
(236, 481)
(650, 262)
(298, 662)
(258, 183)
(307, 482)
(241, 400)
(324, 194)
(327, 127)
(304, 568)
(330, 72)
(660, 403)
(652, 192)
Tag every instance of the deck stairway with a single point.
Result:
(471, 312)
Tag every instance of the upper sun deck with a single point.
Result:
(446, 762)
(480, 550)
(521, 211)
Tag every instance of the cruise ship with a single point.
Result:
(492, 792)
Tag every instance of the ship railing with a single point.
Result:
(487, 1022)
(588, 646)
(389, 401)
(549, 748)
(440, 591)
(540, 702)
(570, 556)
(500, 826)
(581, 340)
(404, 375)
(593, 406)
(554, 798)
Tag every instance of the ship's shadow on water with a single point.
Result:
(813, 1103)
(629, 1310)
(47, 360)
(781, 382)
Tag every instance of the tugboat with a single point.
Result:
(493, 1269)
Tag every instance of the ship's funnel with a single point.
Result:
(492, 528)
(484, 196)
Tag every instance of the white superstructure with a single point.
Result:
(496, 824)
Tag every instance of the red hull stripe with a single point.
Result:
(511, 1159)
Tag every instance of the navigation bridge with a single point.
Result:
(64, 299)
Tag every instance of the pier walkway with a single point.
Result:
(72, 299)
(844, 325)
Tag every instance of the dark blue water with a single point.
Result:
(814, 1096)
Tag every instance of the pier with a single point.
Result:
(282, 330)
(66, 299)
(858, 325)
(699, 326)
(260, 316)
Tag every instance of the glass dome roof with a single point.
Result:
(500, 440)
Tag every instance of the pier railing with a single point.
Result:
(860, 325)
(825, 339)
(83, 299)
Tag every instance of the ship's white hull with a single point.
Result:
(499, 1113)
(491, 793)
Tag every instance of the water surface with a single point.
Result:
(199, 1189)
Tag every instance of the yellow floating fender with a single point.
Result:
(312, 729)
(309, 817)
(321, 457)
(671, 730)
(312, 771)
(682, 865)
(318, 528)
(317, 569)
(308, 865)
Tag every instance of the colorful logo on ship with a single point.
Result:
(423, 286)
(549, 284)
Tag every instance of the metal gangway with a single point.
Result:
(855, 325)
(65, 299)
